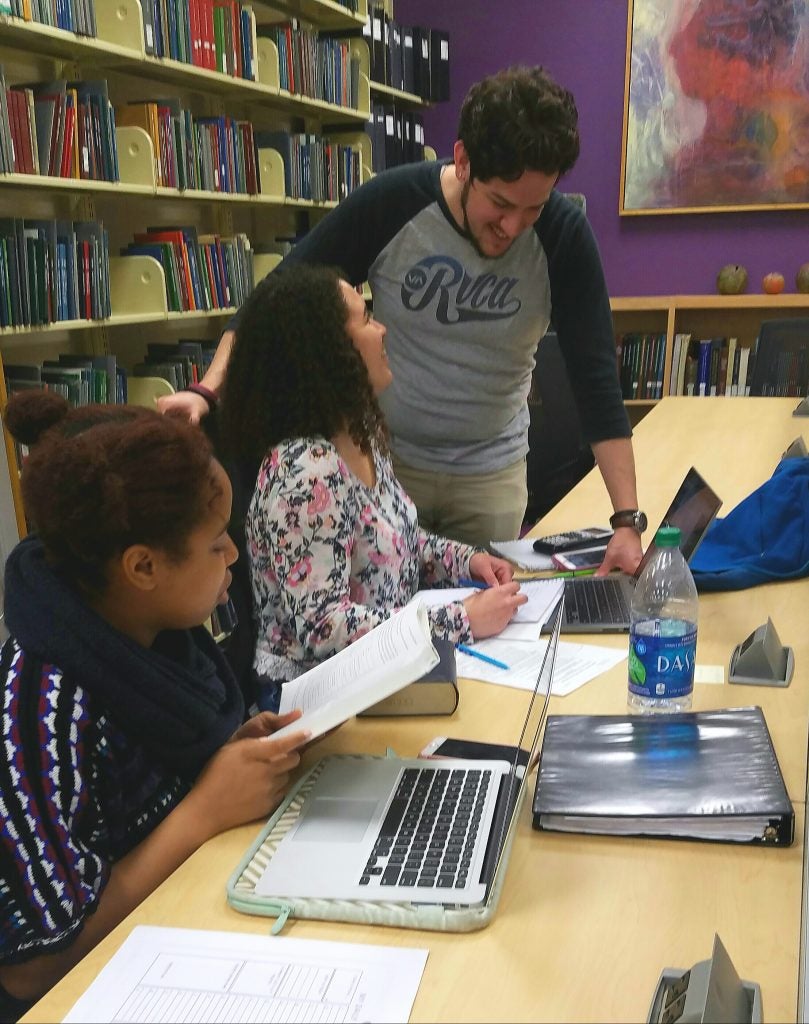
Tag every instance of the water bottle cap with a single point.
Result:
(668, 537)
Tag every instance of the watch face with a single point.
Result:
(641, 522)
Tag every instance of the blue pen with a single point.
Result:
(482, 657)
(477, 584)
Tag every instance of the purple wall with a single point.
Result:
(583, 45)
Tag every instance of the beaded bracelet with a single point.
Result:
(206, 393)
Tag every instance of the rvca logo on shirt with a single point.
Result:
(458, 296)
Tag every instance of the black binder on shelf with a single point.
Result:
(421, 62)
(710, 775)
(377, 15)
(439, 65)
(408, 81)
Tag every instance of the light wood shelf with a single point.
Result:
(410, 98)
(323, 13)
(32, 51)
(702, 316)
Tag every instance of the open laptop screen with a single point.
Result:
(693, 509)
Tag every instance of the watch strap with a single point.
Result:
(631, 517)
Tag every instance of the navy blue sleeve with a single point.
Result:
(582, 318)
(352, 235)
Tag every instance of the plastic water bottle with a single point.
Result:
(663, 631)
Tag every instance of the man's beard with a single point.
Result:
(467, 230)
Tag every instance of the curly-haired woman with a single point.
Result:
(124, 747)
(333, 540)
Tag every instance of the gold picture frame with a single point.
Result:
(716, 107)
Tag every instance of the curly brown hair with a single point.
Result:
(100, 478)
(519, 120)
(294, 371)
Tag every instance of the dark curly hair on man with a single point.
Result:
(519, 120)
(100, 478)
(294, 371)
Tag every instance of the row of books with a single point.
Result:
(314, 168)
(180, 363)
(315, 64)
(202, 272)
(641, 359)
(72, 15)
(710, 366)
(217, 154)
(219, 35)
(52, 271)
(63, 129)
(80, 379)
(411, 58)
(84, 378)
(786, 374)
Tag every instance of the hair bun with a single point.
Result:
(30, 413)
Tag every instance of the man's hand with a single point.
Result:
(185, 404)
(624, 551)
(489, 569)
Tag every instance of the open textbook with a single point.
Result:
(383, 661)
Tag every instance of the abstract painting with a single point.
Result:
(717, 106)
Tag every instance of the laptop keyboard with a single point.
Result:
(428, 836)
(597, 601)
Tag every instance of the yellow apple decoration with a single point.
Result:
(731, 279)
(802, 278)
(773, 283)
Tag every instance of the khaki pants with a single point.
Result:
(475, 509)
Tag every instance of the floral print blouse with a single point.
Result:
(331, 558)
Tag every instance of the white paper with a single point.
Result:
(714, 674)
(576, 664)
(542, 597)
(522, 553)
(383, 661)
(174, 975)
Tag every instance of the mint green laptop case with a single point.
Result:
(242, 896)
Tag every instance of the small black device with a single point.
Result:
(473, 750)
(572, 540)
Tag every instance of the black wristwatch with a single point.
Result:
(629, 517)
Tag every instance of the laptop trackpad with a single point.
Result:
(335, 821)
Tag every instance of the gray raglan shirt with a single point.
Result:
(462, 330)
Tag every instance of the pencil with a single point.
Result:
(482, 657)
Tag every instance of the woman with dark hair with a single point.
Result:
(124, 748)
(333, 541)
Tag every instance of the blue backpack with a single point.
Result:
(764, 539)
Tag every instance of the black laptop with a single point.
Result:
(601, 604)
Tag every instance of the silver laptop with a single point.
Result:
(601, 605)
(416, 831)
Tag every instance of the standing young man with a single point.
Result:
(467, 261)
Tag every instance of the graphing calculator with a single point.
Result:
(572, 540)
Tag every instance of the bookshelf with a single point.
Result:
(703, 316)
(32, 52)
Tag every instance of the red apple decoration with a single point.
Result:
(773, 283)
